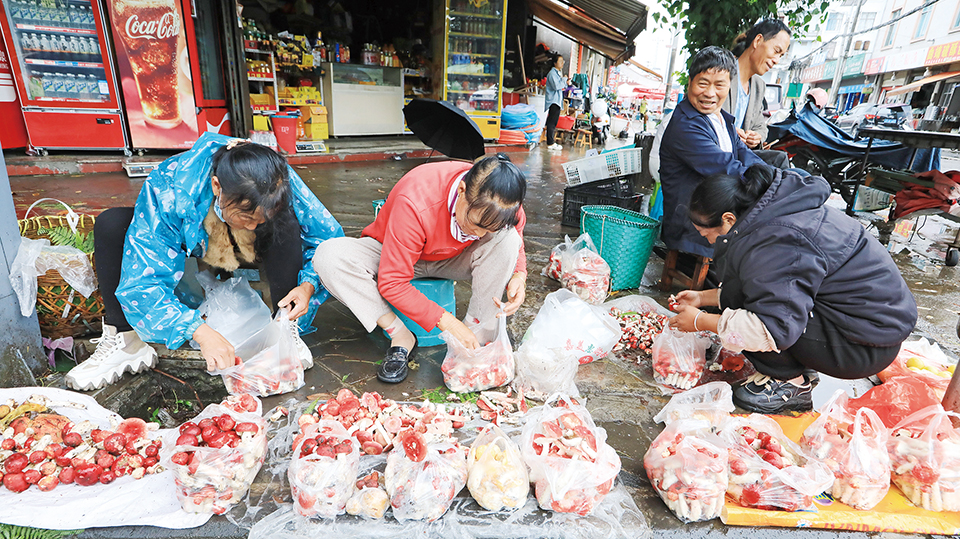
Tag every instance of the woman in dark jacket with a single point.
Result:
(805, 288)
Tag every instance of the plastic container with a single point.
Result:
(613, 192)
(285, 129)
(625, 240)
(607, 165)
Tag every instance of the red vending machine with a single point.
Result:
(13, 132)
(168, 59)
(64, 74)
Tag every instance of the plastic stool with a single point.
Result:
(438, 290)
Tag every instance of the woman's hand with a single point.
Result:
(217, 351)
(458, 329)
(298, 300)
(516, 292)
(692, 298)
(686, 317)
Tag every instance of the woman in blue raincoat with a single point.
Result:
(226, 202)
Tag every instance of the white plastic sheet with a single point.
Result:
(232, 308)
(151, 501)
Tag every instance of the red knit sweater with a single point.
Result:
(413, 225)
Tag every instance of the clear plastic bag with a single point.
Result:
(36, 257)
(687, 467)
(492, 365)
(854, 447)
(925, 458)
(578, 329)
(584, 272)
(212, 479)
(767, 469)
(496, 474)
(711, 402)
(558, 255)
(269, 363)
(641, 319)
(678, 359)
(232, 308)
(922, 360)
(571, 465)
(323, 470)
(424, 490)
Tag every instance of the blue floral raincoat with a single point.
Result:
(167, 227)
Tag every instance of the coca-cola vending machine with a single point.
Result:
(64, 75)
(170, 71)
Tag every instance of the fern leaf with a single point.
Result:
(9, 531)
(62, 235)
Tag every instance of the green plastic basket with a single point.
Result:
(625, 240)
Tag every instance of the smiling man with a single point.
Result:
(700, 141)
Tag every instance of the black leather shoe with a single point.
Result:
(766, 395)
(394, 368)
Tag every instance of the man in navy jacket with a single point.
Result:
(700, 141)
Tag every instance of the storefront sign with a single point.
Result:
(824, 71)
(905, 60)
(854, 64)
(874, 66)
(154, 72)
(852, 89)
(943, 54)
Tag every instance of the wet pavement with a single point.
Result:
(618, 391)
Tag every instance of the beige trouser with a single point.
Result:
(348, 270)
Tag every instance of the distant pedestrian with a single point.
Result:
(554, 99)
(643, 112)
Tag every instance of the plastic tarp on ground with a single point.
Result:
(151, 501)
(893, 514)
(807, 125)
(268, 513)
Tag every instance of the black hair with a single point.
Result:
(722, 193)
(712, 57)
(252, 177)
(553, 56)
(768, 28)
(495, 188)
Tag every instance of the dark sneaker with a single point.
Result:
(394, 368)
(766, 395)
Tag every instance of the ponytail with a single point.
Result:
(723, 193)
(768, 28)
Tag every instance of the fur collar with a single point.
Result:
(226, 245)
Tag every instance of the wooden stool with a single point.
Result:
(562, 135)
(670, 272)
(584, 138)
(543, 135)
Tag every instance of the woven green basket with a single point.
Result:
(625, 240)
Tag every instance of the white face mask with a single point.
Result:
(217, 209)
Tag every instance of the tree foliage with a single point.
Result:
(718, 22)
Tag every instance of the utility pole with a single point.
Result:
(834, 93)
(673, 57)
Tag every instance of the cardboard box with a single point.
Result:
(260, 123)
(316, 131)
(314, 113)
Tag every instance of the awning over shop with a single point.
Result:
(913, 86)
(607, 26)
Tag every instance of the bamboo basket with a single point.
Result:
(61, 310)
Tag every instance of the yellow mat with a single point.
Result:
(893, 514)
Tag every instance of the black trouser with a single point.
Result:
(823, 348)
(553, 116)
(281, 261)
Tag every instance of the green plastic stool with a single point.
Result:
(438, 290)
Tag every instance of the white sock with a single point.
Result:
(400, 335)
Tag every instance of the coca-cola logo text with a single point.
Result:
(162, 29)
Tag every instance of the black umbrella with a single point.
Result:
(445, 128)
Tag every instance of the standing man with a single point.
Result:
(643, 112)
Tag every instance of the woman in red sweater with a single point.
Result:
(448, 220)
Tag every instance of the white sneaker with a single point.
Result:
(116, 354)
(303, 351)
(555, 146)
